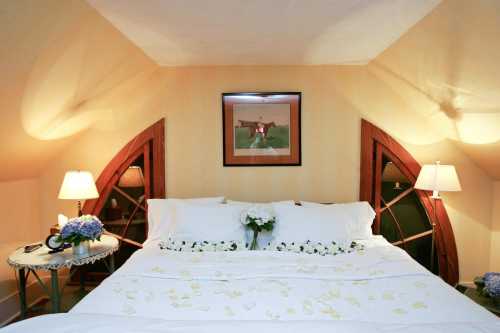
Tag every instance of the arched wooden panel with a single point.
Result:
(150, 143)
(374, 144)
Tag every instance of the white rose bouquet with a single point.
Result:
(257, 218)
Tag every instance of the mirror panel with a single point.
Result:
(403, 220)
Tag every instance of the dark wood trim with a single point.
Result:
(371, 136)
(414, 237)
(129, 198)
(397, 198)
(159, 152)
(378, 190)
(395, 221)
(151, 140)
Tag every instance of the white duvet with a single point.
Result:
(380, 289)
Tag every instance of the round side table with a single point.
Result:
(41, 259)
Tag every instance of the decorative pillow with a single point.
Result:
(322, 249)
(316, 224)
(202, 246)
(361, 216)
(211, 223)
(160, 215)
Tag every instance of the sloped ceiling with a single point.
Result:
(63, 64)
(60, 63)
(263, 32)
(446, 69)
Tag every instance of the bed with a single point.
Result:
(377, 288)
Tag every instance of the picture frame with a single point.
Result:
(261, 129)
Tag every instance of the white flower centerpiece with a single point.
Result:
(257, 218)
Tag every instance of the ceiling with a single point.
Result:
(446, 70)
(439, 67)
(241, 32)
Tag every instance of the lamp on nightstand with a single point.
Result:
(437, 178)
(132, 177)
(78, 185)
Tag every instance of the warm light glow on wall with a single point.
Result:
(66, 92)
(479, 128)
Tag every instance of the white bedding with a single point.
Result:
(379, 290)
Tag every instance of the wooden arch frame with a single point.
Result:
(150, 142)
(375, 141)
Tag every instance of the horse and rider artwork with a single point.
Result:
(265, 128)
(262, 126)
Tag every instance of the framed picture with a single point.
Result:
(261, 129)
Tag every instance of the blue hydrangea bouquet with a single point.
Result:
(489, 285)
(81, 229)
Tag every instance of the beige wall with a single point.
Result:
(20, 207)
(117, 92)
(450, 58)
(334, 101)
(441, 60)
(495, 230)
(64, 64)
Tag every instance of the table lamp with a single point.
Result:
(78, 185)
(437, 178)
(132, 177)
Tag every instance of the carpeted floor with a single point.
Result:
(71, 295)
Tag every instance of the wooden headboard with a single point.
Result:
(378, 151)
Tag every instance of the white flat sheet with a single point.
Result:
(70, 323)
(380, 289)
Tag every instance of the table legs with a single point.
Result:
(82, 277)
(56, 302)
(112, 263)
(22, 293)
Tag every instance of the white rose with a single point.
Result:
(294, 247)
(253, 212)
(243, 218)
(308, 248)
(333, 249)
(320, 248)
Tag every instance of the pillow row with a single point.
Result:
(190, 223)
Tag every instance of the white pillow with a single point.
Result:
(315, 223)
(212, 223)
(244, 203)
(361, 216)
(160, 215)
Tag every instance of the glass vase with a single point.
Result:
(81, 249)
(254, 245)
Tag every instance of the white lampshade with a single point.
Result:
(438, 177)
(132, 177)
(78, 185)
